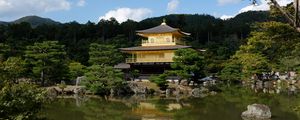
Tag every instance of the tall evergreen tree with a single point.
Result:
(188, 63)
(48, 60)
(104, 54)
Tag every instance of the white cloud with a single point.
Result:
(262, 6)
(226, 17)
(284, 2)
(225, 2)
(172, 6)
(81, 3)
(18, 8)
(123, 14)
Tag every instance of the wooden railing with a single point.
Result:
(148, 43)
(130, 60)
(147, 60)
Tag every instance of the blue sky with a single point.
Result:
(93, 10)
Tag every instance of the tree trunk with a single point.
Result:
(292, 19)
(42, 78)
(296, 6)
(287, 15)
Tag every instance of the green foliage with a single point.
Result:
(270, 43)
(251, 64)
(100, 79)
(273, 40)
(232, 71)
(104, 54)
(48, 60)
(62, 86)
(3, 51)
(76, 69)
(134, 73)
(220, 38)
(292, 62)
(20, 101)
(12, 69)
(186, 62)
(160, 81)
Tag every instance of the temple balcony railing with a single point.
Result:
(130, 60)
(157, 43)
(148, 60)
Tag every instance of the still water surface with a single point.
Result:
(226, 105)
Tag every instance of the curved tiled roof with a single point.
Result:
(163, 28)
(153, 48)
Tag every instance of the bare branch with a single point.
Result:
(287, 15)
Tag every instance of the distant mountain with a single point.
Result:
(243, 21)
(192, 20)
(36, 21)
(251, 17)
(3, 23)
(33, 21)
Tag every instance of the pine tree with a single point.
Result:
(104, 54)
(48, 60)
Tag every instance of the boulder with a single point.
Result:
(181, 89)
(137, 89)
(213, 93)
(79, 90)
(168, 92)
(199, 92)
(52, 93)
(257, 112)
(171, 91)
(122, 91)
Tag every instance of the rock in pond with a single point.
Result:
(137, 89)
(200, 92)
(52, 93)
(79, 90)
(257, 112)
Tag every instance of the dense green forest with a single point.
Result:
(220, 37)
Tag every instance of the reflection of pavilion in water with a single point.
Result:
(155, 109)
(274, 88)
(149, 111)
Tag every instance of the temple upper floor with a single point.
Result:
(162, 35)
(162, 40)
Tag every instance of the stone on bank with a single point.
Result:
(257, 112)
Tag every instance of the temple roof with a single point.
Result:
(163, 28)
(122, 66)
(154, 48)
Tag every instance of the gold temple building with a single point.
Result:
(156, 51)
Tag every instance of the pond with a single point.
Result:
(226, 105)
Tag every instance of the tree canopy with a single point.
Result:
(48, 60)
(100, 79)
(188, 64)
(104, 54)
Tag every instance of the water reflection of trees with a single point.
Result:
(233, 100)
(272, 87)
(229, 104)
(92, 109)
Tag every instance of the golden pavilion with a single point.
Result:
(156, 51)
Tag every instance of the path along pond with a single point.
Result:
(228, 104)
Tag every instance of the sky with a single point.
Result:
(83, 11)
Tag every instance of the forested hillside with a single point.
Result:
(221, 38)
(34, 21)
